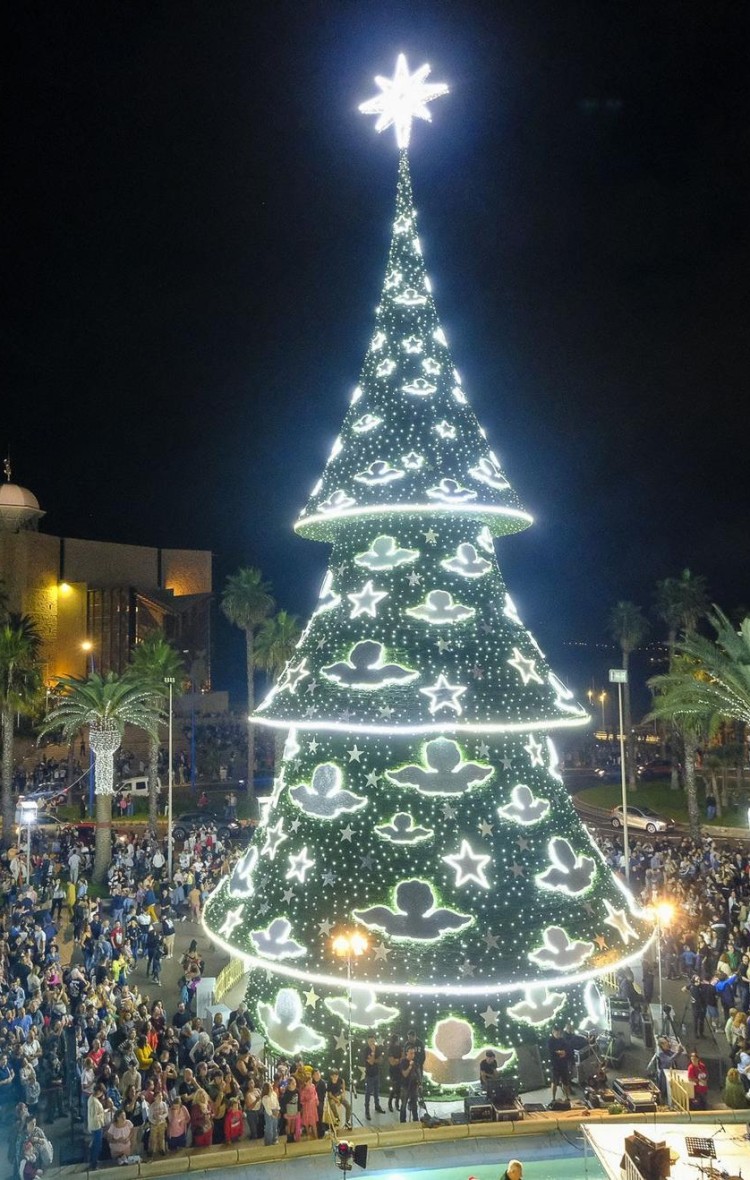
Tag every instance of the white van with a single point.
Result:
(137, 786)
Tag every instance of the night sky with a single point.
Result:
(195, 228)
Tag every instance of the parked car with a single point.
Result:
(137, 786)
(642, 817)
(608, 774)
(656, 768)
(193, 821)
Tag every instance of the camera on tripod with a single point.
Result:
(345, 1155)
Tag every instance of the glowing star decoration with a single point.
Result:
(327, 599)
(416, 916)
(325, 797)
(484, 540)
(487, 471)
(299, 866)
(394, 279)
(285, 1025)
(378, 341)
(366, 423)
(412, 461)
(524, 807)
(412, 344)
(468, 865)
(439, 608)
(336, 502)
(448, 491)
(525, 667)
(274, 837)
(366, 668)
(410, 298)
(534, 750)
(365, 601)
(452, 1059)
(379, 472)
(446, 772)
(275, 941)
(364, 1011)
(293, 675)
(568, 872)
(618, 920)
(431, 366)
(385, 554)
(444, 695)
(539, 1006)
(402, 224)
(445, 429)
(241, 878)
(402, 830)
(402, 98)
(232, 920)
(419, 387)
(467, 562)
(385, 368)
(559, 951)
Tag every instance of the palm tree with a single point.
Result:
(629, 627)
(680, 603)
(274, 647)
(20, 684)
(154, 660)
(675, 700)
(104, 705)
(247, 602)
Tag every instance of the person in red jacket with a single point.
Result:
(234, 1124)
(698, 1075)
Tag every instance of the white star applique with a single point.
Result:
(618, 919)
(274, 836)
(489, 1016)
(468, 865)
(311, 998)
(445, 696)
(232, 920)
(355, 754)
(299, 865)
(381, 951)
(525, 667)
(365, 601)
(534, 750)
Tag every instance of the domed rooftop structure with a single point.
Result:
(19, 508)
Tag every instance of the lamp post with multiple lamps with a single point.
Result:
(349, 944)
(170, 683)
(29, 810)
(88, 648)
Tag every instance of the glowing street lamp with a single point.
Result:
(602, 702)
(662, 912)
(348, 944)
(29, 810)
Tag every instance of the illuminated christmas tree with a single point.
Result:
(419, 799)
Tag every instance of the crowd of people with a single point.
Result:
(705, 943)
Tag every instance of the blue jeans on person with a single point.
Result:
(409, 1103)
(372, 1090)
(271, 1130)
(96, 1147)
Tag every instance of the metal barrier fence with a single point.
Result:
(227, 978)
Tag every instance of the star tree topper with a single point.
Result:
(403, 98)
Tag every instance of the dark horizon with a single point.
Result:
(196, 226)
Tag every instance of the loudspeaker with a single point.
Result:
(530, 1070)
(360, 1155)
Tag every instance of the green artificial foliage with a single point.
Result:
(419, 799)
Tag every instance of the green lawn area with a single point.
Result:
(660, 797)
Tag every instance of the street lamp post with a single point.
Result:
(663, 912)
(602, 702)
(29, 811)
(619, 676)
(170, 682)
(348, 944)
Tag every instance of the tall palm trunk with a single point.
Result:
(9, 815)
(153, 774)
(674, 779)
(252, 799)
(103, 848)
(690, 742)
